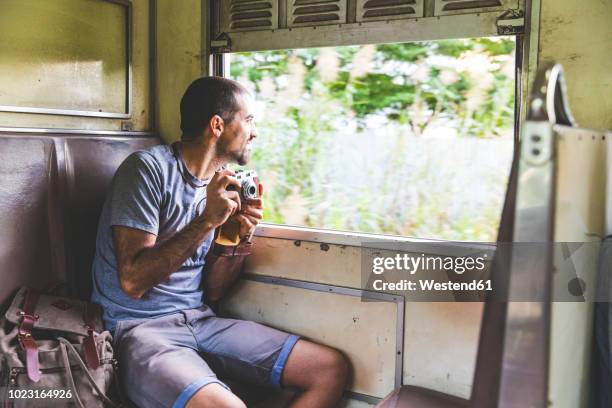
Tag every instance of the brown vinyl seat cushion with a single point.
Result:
(51, 193)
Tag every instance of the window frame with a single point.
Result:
(526, 50)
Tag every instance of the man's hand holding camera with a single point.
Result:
(221, 203)
(250, 213)
(225, 201)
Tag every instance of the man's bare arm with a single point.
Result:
(222, 270)
(143, 262)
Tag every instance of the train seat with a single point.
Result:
(28, 213)
(91, 164)
(52, 191)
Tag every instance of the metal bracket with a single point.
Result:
(549, 100)
(511, 22)
(537, 144)
(221, 43)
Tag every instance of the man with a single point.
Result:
(152, 254)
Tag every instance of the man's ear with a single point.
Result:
(216, 125)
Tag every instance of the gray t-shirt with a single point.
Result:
(151, 191)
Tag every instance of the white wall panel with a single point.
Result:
(364, 331)
(440, 338)
(581, 186)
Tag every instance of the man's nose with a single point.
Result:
(253, 131)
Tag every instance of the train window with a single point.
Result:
(81, 43)
(410, 139)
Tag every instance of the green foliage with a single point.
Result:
(453, 48)
(256, 65)
(311, 95)
(494, 48)
(376, 92)
(346, 54)
(410, 52)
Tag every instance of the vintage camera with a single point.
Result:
(249, 184)
(229, 233)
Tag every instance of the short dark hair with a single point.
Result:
(206, 97)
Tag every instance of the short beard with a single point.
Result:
(241, 158)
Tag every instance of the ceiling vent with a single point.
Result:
(249, 15)
(316, 12)
(371, 10)
(445, 7)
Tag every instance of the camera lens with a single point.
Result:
(251, 191)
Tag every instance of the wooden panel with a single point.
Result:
(364, 331)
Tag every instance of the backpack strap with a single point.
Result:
(89, 344)
(24, 334)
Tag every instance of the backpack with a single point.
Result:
(54, 354)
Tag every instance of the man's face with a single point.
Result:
(236, 139)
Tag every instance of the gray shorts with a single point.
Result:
(164, 361)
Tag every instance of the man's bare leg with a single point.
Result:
(214, 395)
(319, 372)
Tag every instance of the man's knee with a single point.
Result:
(214, 395)
(312, 364)
(333, 367)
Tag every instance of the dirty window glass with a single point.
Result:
(64, 54)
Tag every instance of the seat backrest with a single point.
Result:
(52, 189)
(90, 166)
(28, 213)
